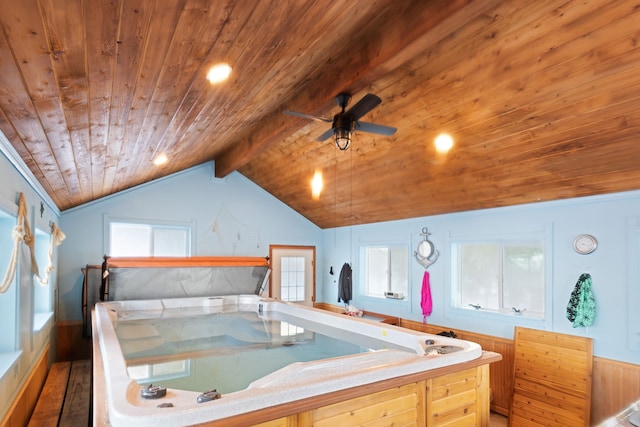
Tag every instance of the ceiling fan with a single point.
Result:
(345, 122)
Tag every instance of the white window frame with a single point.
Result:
(190, 226)
(10, 345)
(545, 235)
(292, 274)
(363, 285)
(42, 295)
(633, 273)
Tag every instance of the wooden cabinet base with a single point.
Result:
(452, 398)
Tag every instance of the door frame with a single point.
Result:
(313, 266)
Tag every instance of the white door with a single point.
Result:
(293, 273)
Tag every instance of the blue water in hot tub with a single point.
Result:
(226, 351)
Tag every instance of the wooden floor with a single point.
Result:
(65, 399)
(498, 420)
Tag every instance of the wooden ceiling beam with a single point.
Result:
(404, 29)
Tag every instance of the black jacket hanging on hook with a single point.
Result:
(344, 284)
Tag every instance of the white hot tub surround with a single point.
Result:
(123, 405)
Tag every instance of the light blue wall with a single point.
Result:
(612, 219)
(231, 216)
(16, 367)
(249, 220)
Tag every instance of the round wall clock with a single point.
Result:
(585, 244)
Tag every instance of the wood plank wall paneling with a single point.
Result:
(395, 406)
(20, 411)
(615, 384)
(454, 399)
(451, 396)
(552, 379)
(501, 373)
(71, 345)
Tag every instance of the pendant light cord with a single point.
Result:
(351, 206)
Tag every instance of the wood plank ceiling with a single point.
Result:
(542, 98)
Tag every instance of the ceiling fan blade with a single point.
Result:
(375, 128)
(362, 107)
(325, 135)
(307, 116)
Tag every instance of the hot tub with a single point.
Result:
(389, 353)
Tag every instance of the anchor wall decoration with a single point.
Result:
(426, 253)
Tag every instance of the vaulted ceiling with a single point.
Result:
(542, 98)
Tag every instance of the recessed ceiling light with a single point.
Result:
(443, 142)
(160, 159)
(219, 73)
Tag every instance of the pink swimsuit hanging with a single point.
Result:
(426, 303)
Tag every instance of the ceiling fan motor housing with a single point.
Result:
(343, 122)
(342, 99)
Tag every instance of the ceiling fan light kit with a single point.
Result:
(342, 137)
(344, 123)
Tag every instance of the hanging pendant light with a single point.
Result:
(342, 127)
(343, 138)
(317, 184)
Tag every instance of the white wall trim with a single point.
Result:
(137, 187)
(12, 155)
